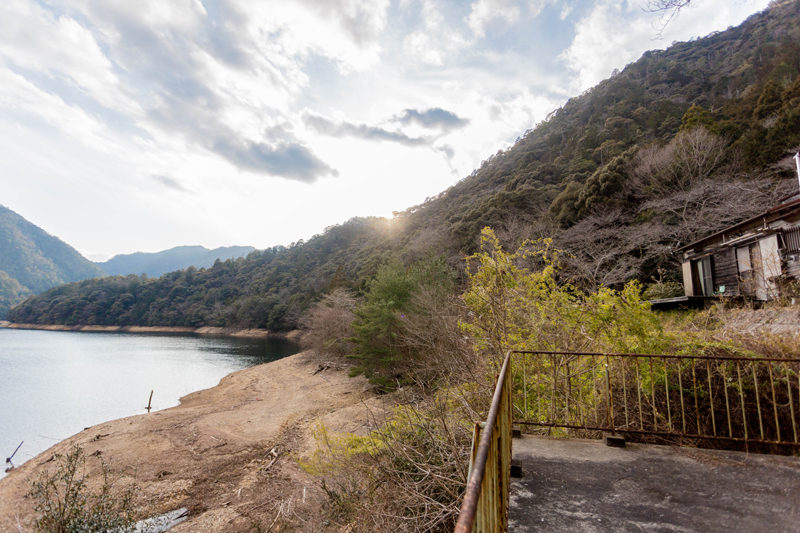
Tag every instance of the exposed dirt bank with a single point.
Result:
(227, 453)
(774, 320)
(205, 330)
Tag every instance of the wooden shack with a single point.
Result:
(757, 258)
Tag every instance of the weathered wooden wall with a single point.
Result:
(725, 272)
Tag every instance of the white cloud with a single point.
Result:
(421, 46)
(535, 7)
(59, 46)
(566, 10)
(19, 97)
(436, 41)
(345, 31)
(484, 12)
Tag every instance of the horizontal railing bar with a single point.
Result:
(664, 356)
(657, 433)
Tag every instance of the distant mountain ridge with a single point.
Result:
(32, 260)
(156, 264)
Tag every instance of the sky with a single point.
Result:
(139, 126)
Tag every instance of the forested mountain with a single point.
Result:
(32, 261)
(680, 143)
(157, 263)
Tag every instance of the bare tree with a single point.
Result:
(670, 8)
(698, 153)
(667, 5)
(713, 204)
(436, 350)
(690, 158)
(600, 251)
(327, 325)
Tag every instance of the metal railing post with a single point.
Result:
(485, 505)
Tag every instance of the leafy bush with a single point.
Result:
(396, 298)
(663, 289)
(64, 503)
(516, 302)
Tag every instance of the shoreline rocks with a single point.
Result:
(209, 331)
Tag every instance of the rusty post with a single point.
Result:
(680, 390)
(610, 398)
(696, 404)
(758, 401)
(485, 501)
(553, 390)
(741, 396)
(711, 397)
(791, 402)
(774, 402)
(569, 390)
(653, 393)
(624, 393)
(639, 393)
(727, 403)
(666, 392)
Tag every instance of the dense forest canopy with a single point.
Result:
(680, 143)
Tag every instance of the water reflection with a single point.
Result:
(53, 383)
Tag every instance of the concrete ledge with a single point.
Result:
(586, 486)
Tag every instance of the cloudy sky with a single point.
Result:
(142, 125)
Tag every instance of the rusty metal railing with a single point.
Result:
(746, 402)
(485, 504)
(739, 401)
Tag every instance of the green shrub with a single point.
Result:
(409, 474)
(395, 298)
(516, 302)
(663, 289)
(64, 503)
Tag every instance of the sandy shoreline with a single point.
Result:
(228, 454)
(204, 330)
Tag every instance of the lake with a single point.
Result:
(55, 383)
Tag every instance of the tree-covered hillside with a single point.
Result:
(678, 144)
(32, 261)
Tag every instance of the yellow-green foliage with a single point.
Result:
(332, 449)
(517, 303)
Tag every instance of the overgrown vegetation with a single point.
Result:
(517, 302)
(388, 334)
(400, 304)
(408, 473)
(64, 503)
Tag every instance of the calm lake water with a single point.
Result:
(54, 383)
